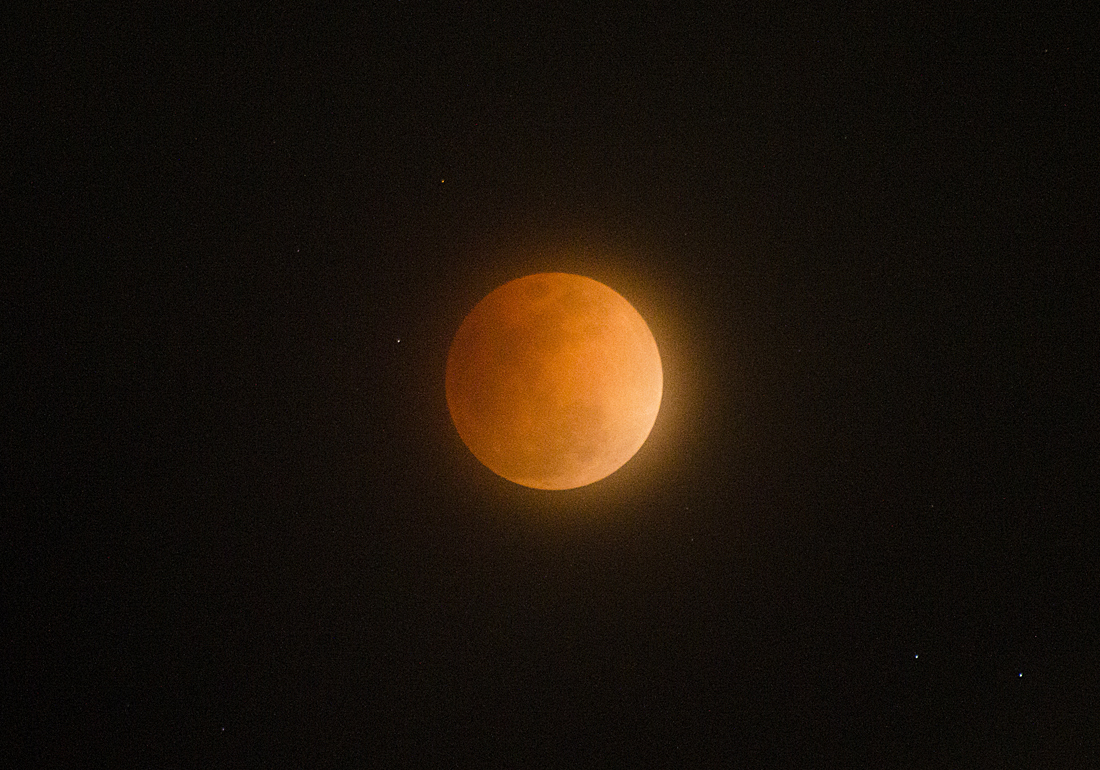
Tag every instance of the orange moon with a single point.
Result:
(554, 381)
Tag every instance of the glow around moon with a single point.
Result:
(554, 381)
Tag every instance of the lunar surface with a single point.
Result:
(554, 381)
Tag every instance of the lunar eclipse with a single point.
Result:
(554, 381)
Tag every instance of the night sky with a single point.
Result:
(241, 529)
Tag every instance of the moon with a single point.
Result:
(554, 381)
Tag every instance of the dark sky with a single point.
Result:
(245, 531)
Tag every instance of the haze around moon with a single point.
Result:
(554, 381)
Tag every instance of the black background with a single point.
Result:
(241, 529)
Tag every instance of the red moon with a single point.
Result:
(554, 381)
